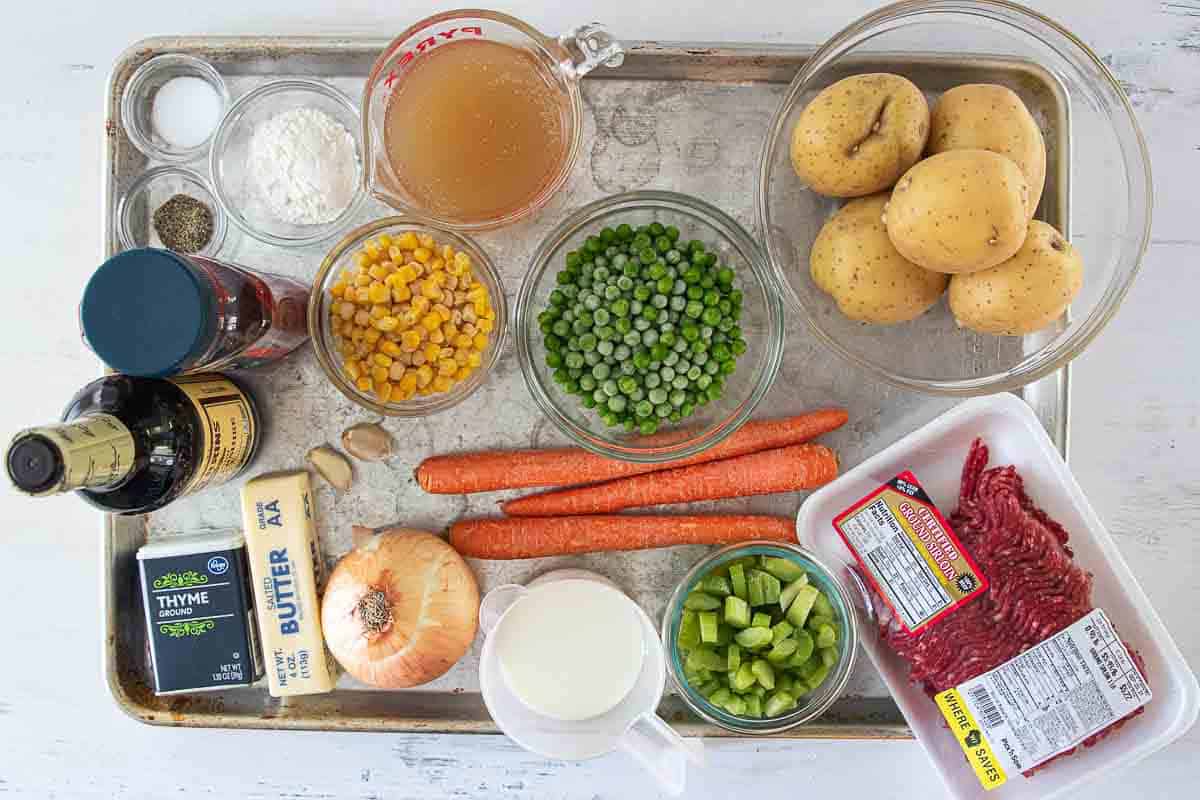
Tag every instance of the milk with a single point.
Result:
(571, 649)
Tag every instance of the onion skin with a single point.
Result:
(434, 604)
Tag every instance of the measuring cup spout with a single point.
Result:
(661, 751)
(496, 602)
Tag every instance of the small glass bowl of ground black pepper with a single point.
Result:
(172, 208)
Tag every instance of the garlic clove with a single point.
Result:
(368, 441)
(332, 466)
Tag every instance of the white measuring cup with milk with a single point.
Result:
(572, 668)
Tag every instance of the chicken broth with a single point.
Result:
(476, 130)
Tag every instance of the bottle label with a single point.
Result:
(227, 426)
(97, 450)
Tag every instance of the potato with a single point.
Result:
(959, 211)
(984, 116)
(854, 261)
(860, 134)
(1025, 293)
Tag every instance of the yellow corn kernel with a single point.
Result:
(442, 383)
(462, 261)
(447, 253)
(381, 360)
(393, 280)
(442, 312)
(449, 331)
(385, 241)
(363, 383)
(362, 317)
(460, 355)
(372, 249)
(420, 304)
(422, 254)
(377, 271)
(477, 293)
(431, 322)
(480, 308)
(348, 329)
(410, 340)
(430, 289)
(485, 325)
(408, 319)
(462, 340)
(362, 294)
(346, 348)
(387, 323)
(424, 376)
(379, 374)
(379, 293)
(383, 391)
(437, 265)
(408, 383)
(431, 352)
(447, 366)
(406, 241)
(352, 368)
(390, 348)
(395, 253)
(436, 336)
(474, 359)
(362, 280)
(396, 371)
(338, 289)
(426, 241)
(380, 311)
(438, 277)
(464, 372)
(401, 294)
(362, 260)
(407, 273)
(480, 341)
(371, 336)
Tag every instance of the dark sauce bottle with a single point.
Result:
(131, 445)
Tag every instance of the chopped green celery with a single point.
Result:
(757, 690)
(733, 657)
(716, 584)
(777, 703)
(826, 636)
(786, 683)
(770, 585)
(808, 668)
(751, 638)
(705, 658)
(822, 606)
(797, 612)
(708, 627)
(782, 568)
(699, 675)
(815, 621)
(804, 648)
(737, 580)
(720, 697)
(707, 688)
(782, 651)
(737, 612)
(689, 631)
(829, 656)
(724, 634)
(789, 592)
(754, 588)
(736, 706)
(818, 677)
(743, 679)
(753, 706)
(761, 619)
(764, 673)
(699, 601)
(781, 631)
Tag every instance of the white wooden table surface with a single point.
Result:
(1136, 423)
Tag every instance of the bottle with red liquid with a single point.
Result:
(155, 313)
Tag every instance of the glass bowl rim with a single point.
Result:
(220, 225)
(133, 88)
(1033, 366)
(721, 224)
(321, 231)
(800, 715)
(434, 403)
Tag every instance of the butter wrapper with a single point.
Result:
(285, 568)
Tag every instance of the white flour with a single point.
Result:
(305, 164)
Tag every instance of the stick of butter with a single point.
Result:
(281, 545)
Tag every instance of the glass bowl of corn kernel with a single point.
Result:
(407, 319)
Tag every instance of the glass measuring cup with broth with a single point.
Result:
(473, 119)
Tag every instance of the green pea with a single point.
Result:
(711, 316)
(644, 408)
(554, 360)
(624, 232)
(694, 308)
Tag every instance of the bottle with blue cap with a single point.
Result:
(154, 313)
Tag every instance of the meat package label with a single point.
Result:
(909, 552)
(1044, 701)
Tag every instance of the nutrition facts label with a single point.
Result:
(909, 552)
(1049, 698)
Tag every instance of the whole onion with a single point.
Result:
(400, 609)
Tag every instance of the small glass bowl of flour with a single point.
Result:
(286, 162)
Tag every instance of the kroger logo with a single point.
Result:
(218, 565)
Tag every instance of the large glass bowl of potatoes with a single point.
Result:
(955, 194)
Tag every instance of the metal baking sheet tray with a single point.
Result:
(687, 117)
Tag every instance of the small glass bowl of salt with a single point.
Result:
(286, 162)
(172, 106)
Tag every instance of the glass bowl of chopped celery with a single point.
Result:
(648, 327)
(760, 637)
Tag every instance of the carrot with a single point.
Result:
(785, 469)
(532, 537)
(491, 470)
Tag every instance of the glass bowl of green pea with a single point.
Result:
(649, 327)
(760, 637)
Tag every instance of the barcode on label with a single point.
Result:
(982, 700)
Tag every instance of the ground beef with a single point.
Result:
(1035, 588)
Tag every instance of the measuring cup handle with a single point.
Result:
(589, 46)
(661, 751)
